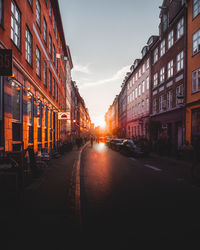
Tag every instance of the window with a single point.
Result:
(45, 31)
(54, 54)
(147, 83)
(147, 64)
(139, 90)
(139, 108)
(143, 87)
(16, 101)
(161, 103)
(50, 10)
(139, 73)
(142, 106)
(155, 57)
(170, 39)
(154, 105)
(15, 25)
(169, 99)
(196, 7)
(50, 44)
(196, 42)
(143, 68)
(46, 123)
(170, 69)
(165, 22)
(54, 24)
(147, 104)
(136, 93)
(38, 62)
(1, 12)
(162, 74)
(38, 12)
(28, 46)
(54, 84)
(195, 80)
(155, 79)
(162, 48)
(45, 74)
(180, 61)
(179, 91)
(180, 28)
(136, 76)
(30, 2)
(50, 81)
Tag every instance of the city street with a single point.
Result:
(125, 199)
(121, 200)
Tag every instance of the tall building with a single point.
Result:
(168, 73)
(193, 77)
(32, 97)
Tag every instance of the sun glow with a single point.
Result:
(99, 121)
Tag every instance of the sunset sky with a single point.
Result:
(105, 37)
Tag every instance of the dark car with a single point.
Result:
(129, 148)
(115, 144)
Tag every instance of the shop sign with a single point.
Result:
(63, 115)
(5, 62)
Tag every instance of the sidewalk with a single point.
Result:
(45, 215)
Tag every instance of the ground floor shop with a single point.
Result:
(138, 128)
(169, 125)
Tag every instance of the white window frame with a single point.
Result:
(45, 30)
(143, 88)
(136, 94)
(50, 44)
(38, 13)
(179, 61)
(147, 104)
(38, 62)
(147, 82)
(29, 46)
(162, 48)
(147, 63)
(139, 90)
(15, 25)
(154, 106)
(196, 81)
(196, 8)
(169, 99)
(180, 28)
(155, 55)
(161, 102)
(170, 39)
(170, 70)
(155, 80)
(162, 75)
(196, 42)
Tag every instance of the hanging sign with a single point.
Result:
(5, 62)
(63, 115)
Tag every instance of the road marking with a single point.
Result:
(152, 167)
(133, 159)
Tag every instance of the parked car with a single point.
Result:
(129, 148)
(115, 144)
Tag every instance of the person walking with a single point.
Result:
(91, 141)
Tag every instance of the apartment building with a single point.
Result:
(193, 76)
(32, 97)
(168, 72)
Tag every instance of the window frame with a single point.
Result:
(196, 40)
(198, 8)
(38, 13)
(13, 29)
(170, 39)
(29, 44)
(38, 62)
(180, 30)
(180, 61)
(196, 81)
(170, 69)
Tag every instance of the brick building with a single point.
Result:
(33, 96)
(168, 72)
(193, 67)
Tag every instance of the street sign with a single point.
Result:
(63, 115)
(5, 62)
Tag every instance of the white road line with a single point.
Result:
(133, 159)
(152, 167)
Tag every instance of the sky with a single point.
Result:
(105, 37)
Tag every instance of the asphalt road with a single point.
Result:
(126, 200)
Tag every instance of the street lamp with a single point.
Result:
(180, 99)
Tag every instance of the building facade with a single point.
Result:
(138, 88)
(122, 110)
(193, 77)
(32, 97)
(168, 73)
